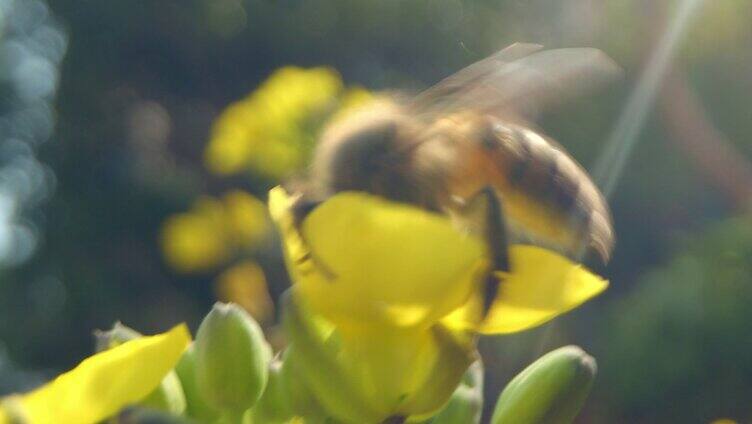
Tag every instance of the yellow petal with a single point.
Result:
(375, 370)
(541, 286)
(103, 384)
(373, 260)
(389, 364)
(404, 371)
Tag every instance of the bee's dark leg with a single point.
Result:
(301, 207)
(300, 210)
(497, 242)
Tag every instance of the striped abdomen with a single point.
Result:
(548, 198)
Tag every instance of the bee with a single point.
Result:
(466, 148)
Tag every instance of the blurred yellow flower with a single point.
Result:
(270, 131)
(247, 219)
(101, 385)
(361, 259)
(245, 285)
(194, 240)
(213, 231)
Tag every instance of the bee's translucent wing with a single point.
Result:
(521, 80)
(452, 86)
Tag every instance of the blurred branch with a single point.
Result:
(689, 128)
(691, 133)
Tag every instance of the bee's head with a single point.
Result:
(369, 150)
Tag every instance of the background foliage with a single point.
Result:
(144, 86)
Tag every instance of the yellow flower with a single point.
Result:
(195, 240)
(246, 218)
(362, 259)
(245, 284)
(213, 231)
(271, 131)
(387, 298)
(102, 384)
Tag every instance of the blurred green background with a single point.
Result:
(107, 109)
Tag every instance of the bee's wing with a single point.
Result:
(521, 81)
(454, 85)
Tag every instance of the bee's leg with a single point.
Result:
(496, 239)
(300, 210)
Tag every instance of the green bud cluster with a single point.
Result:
(228, 376)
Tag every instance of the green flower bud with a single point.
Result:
(466, 403)
(168, 396)
(551, 390)
(232, 358)
(196, 406)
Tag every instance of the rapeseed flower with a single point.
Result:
(387, 300)
(271, 131)
(213, 231)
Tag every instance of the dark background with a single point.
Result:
(82, 201)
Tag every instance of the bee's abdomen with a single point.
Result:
(546, 192)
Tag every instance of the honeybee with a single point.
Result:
(465, 147)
